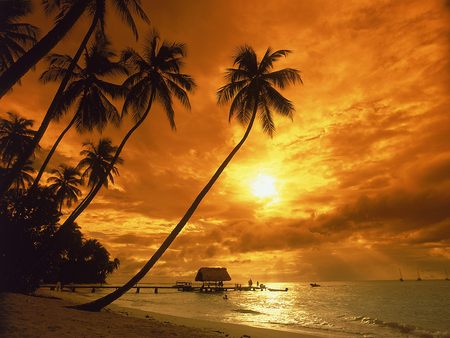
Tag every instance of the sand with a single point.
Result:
(47, 315)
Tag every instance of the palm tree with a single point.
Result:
(15, 135)
(71, 11)
(64, 185)
(157, 77)
(96, 161)
(15, 38)
(24, 179)
(251, 89)
(86, 91)
(95, 164)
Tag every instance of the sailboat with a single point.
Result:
(401, 276)
(418, 275)
(446, 275)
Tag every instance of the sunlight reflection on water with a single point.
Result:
(370, 309)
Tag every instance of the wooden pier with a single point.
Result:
(180, 286)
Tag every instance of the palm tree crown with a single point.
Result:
(15, 38)
(64, 185)
(157, 76)
(15, 135)
(252, 85)
(125, 8)
(24, 179)
(86, 90)
(96, 161)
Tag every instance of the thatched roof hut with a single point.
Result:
(212, 275)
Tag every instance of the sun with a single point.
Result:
(263, 186)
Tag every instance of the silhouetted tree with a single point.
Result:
(30, 251)
(15, 135)
(96, 161)
(15, 37)
(251, 89)
(24, 179)
(27, 223)
(80, 260)
(71, 11)
(87, 92)
(95, 164)
(64, 185)
(157, 77)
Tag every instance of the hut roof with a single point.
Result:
(212, 275)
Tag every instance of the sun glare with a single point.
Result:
(263, 186)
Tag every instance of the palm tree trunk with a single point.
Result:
(6, 182)
(52, 151)
(100, 303)
(94, 192)
(18, 69)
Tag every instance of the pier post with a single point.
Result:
(156, 290)
(138, 290)
(93, 290)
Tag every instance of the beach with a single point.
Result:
(47, 314)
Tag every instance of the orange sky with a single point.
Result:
(362, 173)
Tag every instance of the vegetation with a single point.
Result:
(33, 245)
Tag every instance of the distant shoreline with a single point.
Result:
(47, 315)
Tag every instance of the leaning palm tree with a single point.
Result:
(71, 9)
(157, 77)
(87, 92)
(64, 185)
(15, 135)
(251, 89)
(15, 37)
(69, 12)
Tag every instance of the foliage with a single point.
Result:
(252, 86)
(96, 161)
(31, 252)
(64, 185)
(86, 92)
(15, 37)
(15, 135)
(27, 223)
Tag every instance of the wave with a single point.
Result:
(402, 328)
(253, 312)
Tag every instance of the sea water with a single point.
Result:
(344, 309)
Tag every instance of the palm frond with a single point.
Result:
(283, 77)
(265, 115)
(125, 9)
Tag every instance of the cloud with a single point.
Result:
(362, 172)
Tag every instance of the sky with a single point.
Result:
(358, 183)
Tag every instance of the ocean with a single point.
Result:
(335, 309)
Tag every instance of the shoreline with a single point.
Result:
(46, 314)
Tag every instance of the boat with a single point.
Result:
(446, 275)
(418, 276)
(283, 290)
(401, 276)
(314, 285)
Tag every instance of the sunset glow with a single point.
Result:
(263, 186)
(359, 174)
